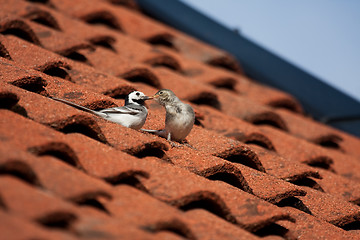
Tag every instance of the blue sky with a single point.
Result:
(320, 36)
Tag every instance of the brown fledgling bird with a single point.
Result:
(180, 117)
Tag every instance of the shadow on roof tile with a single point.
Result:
(103, 41)
(102, 17)
(56, 69)
(8, 99)
(42, 17)
(3, 52)
(80, 124)
(175, 226)
(165, 61)
(142, 75)
(243, 155)
(33, 84)
(228, 62)
(58, 150)
(16, 227)
(20, 170)
(162, 39)
(20, 29)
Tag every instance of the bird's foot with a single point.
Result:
(174, 144)
(183, 143)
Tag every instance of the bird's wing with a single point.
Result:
(121, 110)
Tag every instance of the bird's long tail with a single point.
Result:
(78, 106)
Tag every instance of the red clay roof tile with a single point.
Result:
(50, 173)
(254, 167)
(321, 134)
(23, 200)
(47, 37)
(16, 227)
(239, 84)
(310, 227)
(340, 186)
(337, 211)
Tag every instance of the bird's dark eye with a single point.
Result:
(137, 94)
(161, 93)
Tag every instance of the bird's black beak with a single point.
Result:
(146, 98)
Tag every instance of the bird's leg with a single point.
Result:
(172, 143)
(164, 134)
(169, 136)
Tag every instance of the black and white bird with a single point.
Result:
(180, 117)
(132, 115)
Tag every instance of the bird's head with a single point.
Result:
(164, 96)
(136, 97)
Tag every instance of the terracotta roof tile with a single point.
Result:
(239, 84)
(141, 27)
(321, 134)
(273, 139)
(41, 207)
(11, 24)
(345, 165)
(70, 184)
(309, 227)
(214, 226)
(333, 213)
(47, 37)
(214, 197)
(15, 227)
(339, 186)
(54, 65)
(254, 165)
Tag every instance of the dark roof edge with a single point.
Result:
(319, 99)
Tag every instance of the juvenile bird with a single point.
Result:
(180, 117)
(132, 115)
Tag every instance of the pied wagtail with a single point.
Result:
(132, 115)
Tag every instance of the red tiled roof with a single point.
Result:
(258, 166)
